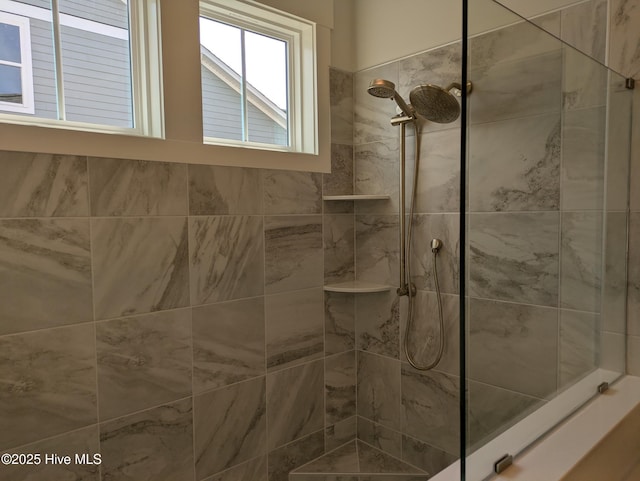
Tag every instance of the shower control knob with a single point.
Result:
(436, 245)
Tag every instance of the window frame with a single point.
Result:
(182, 104)
(27, 106)
(146, 73)
(300, 37)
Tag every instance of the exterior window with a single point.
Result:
(16, 78)
(257, 89)
(84, 70)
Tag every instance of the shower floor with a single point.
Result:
(357, 461)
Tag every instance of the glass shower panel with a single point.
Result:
(547, 186)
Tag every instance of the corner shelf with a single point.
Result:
(356, 197)
(357, 287)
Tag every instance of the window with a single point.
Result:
(81, 64)
(257, 87)
(16, 78)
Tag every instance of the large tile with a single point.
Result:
(518, 42)
(339, 249)
(341, 97)
(292, 192)
(254, 470)
(377, 248)
(377, 171)
(217, 190)
(285, 459)
(584, 81)
(505, 343)
(230, 426)
(293, 253)
(140, 265)
(372, 115)
(228, 343)
(378, 323)
(340, 387)
(514, 257)
(438, 174)
(621, 167)
(516, 89)
(43, 185)
(294, 332)
(379, 389)
(613, 355)
(425, 456)
(45, 273)
(445, 227)
(583, 159)
(633, 355)
(581, 261)
(226, 258)
(514, 165)
(49, 380)
(380, 437)
(624, 44)
(81, 442)
(340, 180)
(295, 403)
(424, 337)
(150, 445)
(135, 187)
(579, 346)
(339, 322)
(492, 410)
(143, 362)
(430, 408)
(584, 27)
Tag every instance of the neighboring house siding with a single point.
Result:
(109, 12)
(221, 114)
(46, 4)
(44, 82)
(221, 108)
(264, 129)
(97, 78)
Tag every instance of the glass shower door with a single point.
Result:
(547, 193)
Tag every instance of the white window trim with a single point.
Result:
(146, 71)
(26, 69)
(300, 36)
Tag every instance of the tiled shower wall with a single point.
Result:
(169, 317)
(543, 194)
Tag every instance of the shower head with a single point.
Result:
(386, 89)
(436, 103)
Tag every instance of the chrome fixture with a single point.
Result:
(437, 105)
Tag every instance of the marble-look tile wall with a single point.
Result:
(536, 227)
(172, 317)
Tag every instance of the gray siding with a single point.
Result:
(44, 83)
(97, 78)
(221, 115)
(109, 12)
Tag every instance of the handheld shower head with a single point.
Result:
(435, 103)
(386, 89)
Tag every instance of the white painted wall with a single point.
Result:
(385, 31)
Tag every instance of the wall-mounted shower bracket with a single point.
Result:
(630, 83)
(401, 119)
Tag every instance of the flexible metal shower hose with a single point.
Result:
(411, 295)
